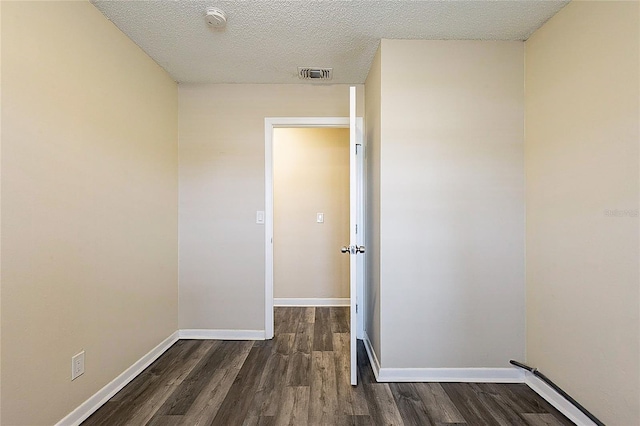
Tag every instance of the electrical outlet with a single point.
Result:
(77, 365)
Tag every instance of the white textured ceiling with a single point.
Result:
(265, 41)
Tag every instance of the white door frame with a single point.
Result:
(269, 124)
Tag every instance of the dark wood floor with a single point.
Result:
(301, 377)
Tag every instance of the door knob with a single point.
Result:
(352, 249)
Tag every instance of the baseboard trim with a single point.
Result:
(469, 375)
(373, 359)
(211, 334)
(94, 402)
(480, 375)
(465, 375)
(311, 301)
(557, 400)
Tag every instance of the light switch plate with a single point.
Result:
(260, 217)
(320, 218)
(77, 365)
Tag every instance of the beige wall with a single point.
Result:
(222, 187)
(89, 212)
(372, 211)
(310, 176)
(451, 203)
(582, 80)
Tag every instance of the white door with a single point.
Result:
(354, 250)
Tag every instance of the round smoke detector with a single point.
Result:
(216, 18)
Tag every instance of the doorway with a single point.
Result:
(354, 248)
(357, 170)
(311, 216)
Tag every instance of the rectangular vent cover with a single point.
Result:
(308, 73)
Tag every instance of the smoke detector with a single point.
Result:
(311, 73)
(216, 18)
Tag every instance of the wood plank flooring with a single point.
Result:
(301, 377)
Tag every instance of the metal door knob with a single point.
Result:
(352, 249)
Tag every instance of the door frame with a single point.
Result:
(332, 122)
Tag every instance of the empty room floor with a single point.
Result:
(301, 377)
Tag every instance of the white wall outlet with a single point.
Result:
(259, 216)
(320, 218)
(77, 365)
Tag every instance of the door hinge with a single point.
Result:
(356, 228)
(356, 308)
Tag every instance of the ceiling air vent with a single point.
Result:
(307, 73)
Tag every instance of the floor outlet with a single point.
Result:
(77, 365)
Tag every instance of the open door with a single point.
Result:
(354, 250)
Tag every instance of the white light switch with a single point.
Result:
(77, 365)
(259, 216)
(320, 218)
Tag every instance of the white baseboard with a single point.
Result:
(557, 400)
(208, 334)
(311, 301)
(481, 375)
(88, 407)
(466, 375)
(470, 375)
(373, 359)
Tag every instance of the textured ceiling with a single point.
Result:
(265, 41)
